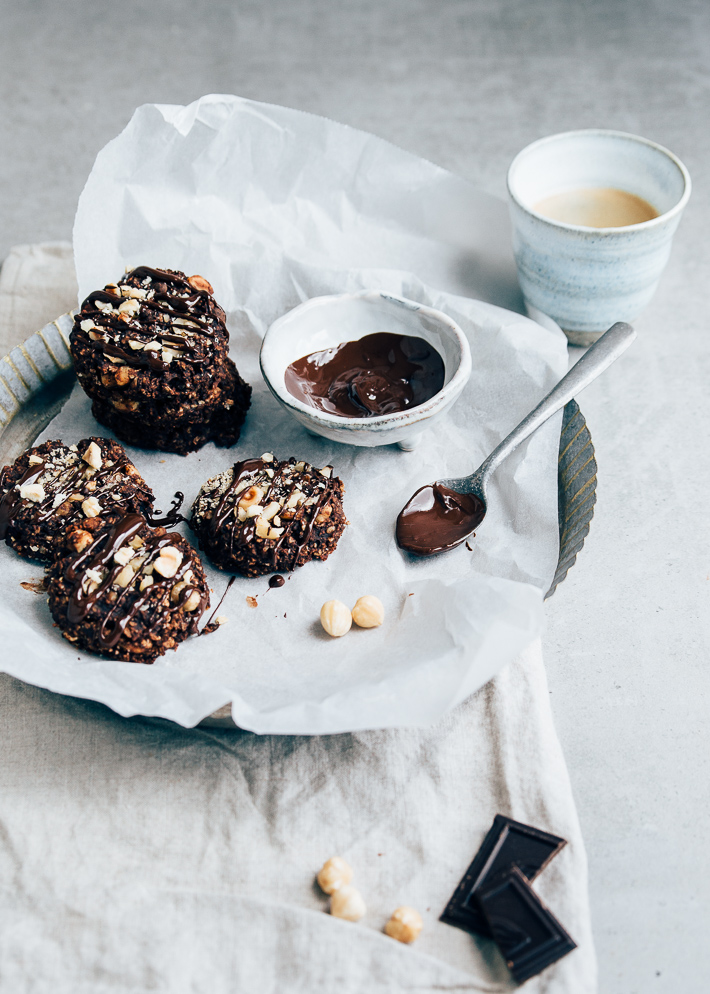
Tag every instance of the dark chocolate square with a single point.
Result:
(528, 934)
(508, 843)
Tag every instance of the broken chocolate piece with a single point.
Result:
(528, 934)
(508, 843)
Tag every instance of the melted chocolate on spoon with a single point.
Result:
(378, 374)
(437, 518)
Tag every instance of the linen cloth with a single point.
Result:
(37, 284)
(139, 856)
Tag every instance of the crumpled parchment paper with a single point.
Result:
(275, 206)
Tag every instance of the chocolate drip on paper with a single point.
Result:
(212, 625)
(173, 516)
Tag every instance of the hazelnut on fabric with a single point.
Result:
(404, 925)
(334, 874)
(347, 902)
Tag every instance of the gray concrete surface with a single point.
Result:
(466, 83)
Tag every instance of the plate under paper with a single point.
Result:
(273, 207)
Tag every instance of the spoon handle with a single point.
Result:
(594, 361)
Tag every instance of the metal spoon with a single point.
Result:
(441, 515)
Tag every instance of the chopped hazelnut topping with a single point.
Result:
(32, 491)
(91, 507)
(123, 555)
(92, 456)
(168, 562)
(125, 576)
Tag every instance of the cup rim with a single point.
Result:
(619, 229)
(395, 419)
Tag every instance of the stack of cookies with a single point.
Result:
(151, 351)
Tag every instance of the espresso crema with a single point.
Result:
(596, 207)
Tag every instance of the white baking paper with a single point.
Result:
(273, 207)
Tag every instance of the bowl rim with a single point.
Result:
(623, 229)
(448, 392)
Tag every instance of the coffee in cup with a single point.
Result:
(596, 207)
(593, 216)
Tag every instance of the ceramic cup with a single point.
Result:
(324, 322)
(587, 278)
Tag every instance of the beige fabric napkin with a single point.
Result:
(37, 284)
(148, 857)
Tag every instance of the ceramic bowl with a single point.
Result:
(324, 322)
(587, 278)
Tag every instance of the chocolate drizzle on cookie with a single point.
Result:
(12, 497)
(152, 353)
(266, 515)
(54, 485)
(288, 496)
(153, 317)
(98, 574)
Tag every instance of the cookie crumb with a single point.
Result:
(36, 586)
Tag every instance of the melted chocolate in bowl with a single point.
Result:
(379, 374)
(436, 519)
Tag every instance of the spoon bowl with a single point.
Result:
(442, 515)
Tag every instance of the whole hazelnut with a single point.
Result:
(334, 874)
(80, 540)
(193, 601)
(404, 925)
(250, 497)
(347, 903)
(335, 618)
(368, 612)
(200, 283)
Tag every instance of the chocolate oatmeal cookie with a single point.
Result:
(263, 516)
(125, 590)
(151, 351)
(53, 485)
